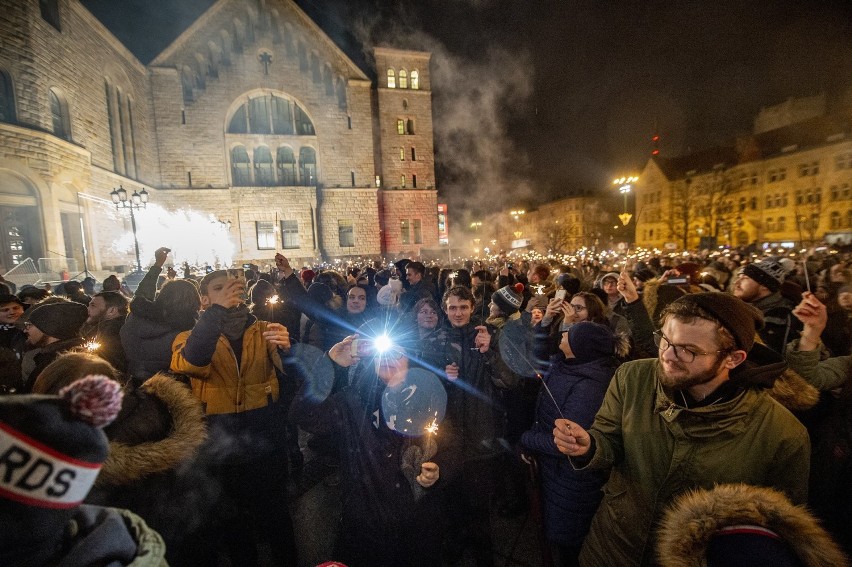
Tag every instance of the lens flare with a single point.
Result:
(383, 343)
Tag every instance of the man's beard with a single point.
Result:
(685, 382)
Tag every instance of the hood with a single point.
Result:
(140, 327)
(109, 536)
(600, 370)
(689, 524)
(130, 462)
(761, 367)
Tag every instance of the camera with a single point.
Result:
(510, 265)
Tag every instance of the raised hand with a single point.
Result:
(482, 341)
(813, 315)
(429, 474)
(626, 287)
(160, 255)
(570, 438)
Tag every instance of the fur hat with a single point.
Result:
(768, 273)
(509, 299)
(59, 320)
(734, 314)
(591, 341)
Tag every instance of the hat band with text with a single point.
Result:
(34, 474)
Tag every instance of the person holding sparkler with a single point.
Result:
(396, 455)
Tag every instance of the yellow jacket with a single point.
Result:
(220, 385)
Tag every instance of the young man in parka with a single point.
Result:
(695, 417)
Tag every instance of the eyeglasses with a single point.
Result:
(577, 306)
(681, 353)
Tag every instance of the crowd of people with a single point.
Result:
(627, 403)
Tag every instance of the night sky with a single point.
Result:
(540, 99)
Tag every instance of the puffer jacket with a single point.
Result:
(570, 496)
(221, 385)
(691, 522)
(658, 450)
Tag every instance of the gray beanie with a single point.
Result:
(769, 273)
(59, 320)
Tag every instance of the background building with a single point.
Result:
(252, 132)
(788, 183)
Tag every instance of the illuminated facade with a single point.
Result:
(252, 120)
(788, 184)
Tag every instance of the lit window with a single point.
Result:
(400, 127)
(391, 79)
(378, 181)
(403, 79)
(265, 235)
(345, 233)
(289, 234)
(401, 154)
(415, 80)
(404, 231)
(282, 116)
(402, 181)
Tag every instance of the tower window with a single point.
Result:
(403, 79)
(391, 79)
(415, 80)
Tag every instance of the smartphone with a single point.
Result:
(560, 294)
(676, 281)
(362, 348)
(510, 265)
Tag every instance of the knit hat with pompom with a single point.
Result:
(509, 298)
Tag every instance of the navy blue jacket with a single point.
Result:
(570, 497)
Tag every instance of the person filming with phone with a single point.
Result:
(234, 362)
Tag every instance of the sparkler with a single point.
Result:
(539, 289)
(432, 428)
(272, 300)
(92, 346)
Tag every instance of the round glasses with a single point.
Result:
(681, 353)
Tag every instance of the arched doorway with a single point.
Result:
(20, 225)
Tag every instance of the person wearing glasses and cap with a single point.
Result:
(696, 416)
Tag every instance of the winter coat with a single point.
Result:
(12, 341)
(45, 356)
(107, 334)
(691, 522)
(157, 432)
(570, 497)
(779, 325)
(658, 449)
(239, 400)
(471, 397)
(827, 374)
(421, 290)
(147, 340)
(388, 519)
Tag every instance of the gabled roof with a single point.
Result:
(697, 163)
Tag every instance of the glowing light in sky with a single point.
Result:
(193, 237)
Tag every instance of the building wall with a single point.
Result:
(180, 107)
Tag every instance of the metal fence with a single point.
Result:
(30, 272)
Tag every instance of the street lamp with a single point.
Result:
(625, 184)
(136, 201)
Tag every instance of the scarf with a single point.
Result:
(234, 324)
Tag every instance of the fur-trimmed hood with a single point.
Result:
(161, 424)
(693, 519)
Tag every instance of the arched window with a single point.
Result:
(286, 166)
(240, 166)
(403, 79)
(7, 98)
(264, 171)
(415, 80)
(59, 113)
(391, 79)
(308, 166)
(270, 114)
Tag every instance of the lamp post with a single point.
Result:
(516, 214)
(136, 201)
(625, 185)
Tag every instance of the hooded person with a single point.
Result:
(54, 448)
(737, 525)
(51, 328)
(577, 379)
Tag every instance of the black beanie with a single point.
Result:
(508, 298)
(734, 314)
(768, 273)
(59, 320)
(591, 341)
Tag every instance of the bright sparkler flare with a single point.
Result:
(272, 300)
(539, 289)
(432, 428)
(92, 346)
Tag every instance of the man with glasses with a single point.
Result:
(696, 416)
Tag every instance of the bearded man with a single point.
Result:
(696, 416)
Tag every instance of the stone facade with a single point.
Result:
(250, 116)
